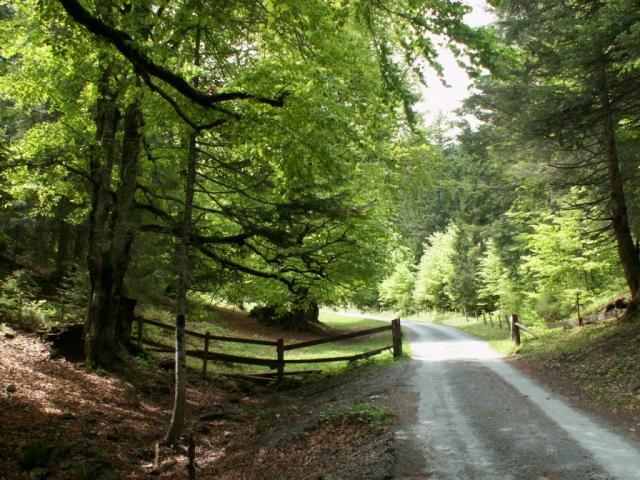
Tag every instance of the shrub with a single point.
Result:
(376, 417)
(18, 305)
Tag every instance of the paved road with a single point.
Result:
(478, 418)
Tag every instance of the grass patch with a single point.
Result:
(559, 342)
(345, 322)
(601, 360)
(377, 418)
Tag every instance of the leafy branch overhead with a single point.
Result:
(146, 67)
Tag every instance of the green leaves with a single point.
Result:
(435, 276)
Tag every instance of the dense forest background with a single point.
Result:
(268, 153)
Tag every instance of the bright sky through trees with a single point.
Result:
(439, 98)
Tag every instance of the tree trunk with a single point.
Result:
(305, 309)
(184, 279)
(100, 338)
(110, 234)
(182, 259)
(627, 251)
(176, 424)
(122, 232)
(63, 241)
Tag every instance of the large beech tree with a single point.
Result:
(294, 101)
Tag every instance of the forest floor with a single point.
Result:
(59, 421)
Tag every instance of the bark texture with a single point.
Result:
(627, 249)
(184, 273)
(110, 225)
(618, 209)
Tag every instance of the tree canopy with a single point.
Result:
(269, 153)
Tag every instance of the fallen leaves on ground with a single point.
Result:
(96, 425)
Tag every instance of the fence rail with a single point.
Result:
(191, 333)
(511, 320)
(516, 326)
(335, 338)
(278, 363)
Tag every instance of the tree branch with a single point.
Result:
(125, 44)
(244, 269)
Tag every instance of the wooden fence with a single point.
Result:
(511, 321)
(279, 362)
(487, 315)
(516, 326)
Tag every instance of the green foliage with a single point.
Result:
(495, 290)
(297, 182)
(530, 192)
(34, 455)
(563, 111)
(18, 304)
(435, 276)
(22, 305)
(315, 194)
(4, 242)
(72, 295)
(465, 260)
(397, 289)
(420, 197)
(565, 260)
(376, 417)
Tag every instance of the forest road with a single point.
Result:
(479, 418)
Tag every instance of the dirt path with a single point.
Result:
(479, 418)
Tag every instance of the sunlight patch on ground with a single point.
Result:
(452, 350)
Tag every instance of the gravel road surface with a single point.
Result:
(479, 418)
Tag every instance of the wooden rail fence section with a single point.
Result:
(516, 327)
(278, 363)
(511, 320)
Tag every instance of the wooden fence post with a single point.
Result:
(396, 335)
(466, 317)
(19, 308)
(490, 319)
(475, 313)
(140, 331)
(205, 358)
(578, 308)
(515, 330)
(484, 317)
(280, 353)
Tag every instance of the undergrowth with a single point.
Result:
(376, 417)
(602, 360)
